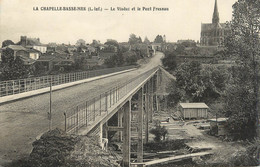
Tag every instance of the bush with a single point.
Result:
(159, 131)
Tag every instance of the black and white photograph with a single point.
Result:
(129, 83)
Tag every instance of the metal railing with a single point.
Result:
(86, 112)
(12, 87)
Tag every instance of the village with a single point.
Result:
(44, 59)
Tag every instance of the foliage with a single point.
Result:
(169, 61)
(80, 42)
(189, 43)
(243, 44)
(159, 131)
(131, 60)
(112, 42)
(240, 106)
(115, 60)
(146, 41)
(158, 39)
(80, 63)
(249, 157)
(7, 43)
(133, 39)
(196, 83)
(180, 49)
(176, 94)
(15, 70)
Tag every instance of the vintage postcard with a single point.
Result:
(93, 83)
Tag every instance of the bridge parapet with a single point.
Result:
(85, 113)
(18, 86)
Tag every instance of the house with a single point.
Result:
(218, 126)
(27, 61)
(29, 53)
(51, 47)
(193, 110)
(156, 47)
(10, 52)
(56, 62)
(58, 53)
(13, 51)
(19, 54)
(33, 43)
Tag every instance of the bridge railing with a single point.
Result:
(86, 112)
(12, 87)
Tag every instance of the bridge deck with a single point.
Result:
(22, 121)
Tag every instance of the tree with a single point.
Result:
(7, 43)
(140, 40)
(170, 61)
(196, 83)
(16, 70)
(80, 42)
(110, 62)
(146, 41)
(115, 60)
(112, 42)
(131, 60)
(243, 44)
(133, 39)
(159, 132)
(158, 39)
(180, 49)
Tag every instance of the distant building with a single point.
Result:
(54, 62)
(213, 34)
(33, 43)
(194, 110)
(13, 52)
(10, 52)
(156, 47)
(29, 53)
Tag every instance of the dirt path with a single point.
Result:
(22, 121)
(198, 138)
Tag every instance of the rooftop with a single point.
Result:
(218, 120)
(14, 47)
(193, 105)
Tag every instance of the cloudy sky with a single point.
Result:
(182, 21)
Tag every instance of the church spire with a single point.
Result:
(215, 18)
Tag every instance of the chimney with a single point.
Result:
(23, 41)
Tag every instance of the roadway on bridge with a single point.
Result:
(22, 121)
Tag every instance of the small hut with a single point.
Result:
(218, 126)
(194, 110)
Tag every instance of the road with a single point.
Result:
(22, 121)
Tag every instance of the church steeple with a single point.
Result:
(215, 18)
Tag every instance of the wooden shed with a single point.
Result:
(194, 110)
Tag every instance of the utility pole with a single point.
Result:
(50, 114)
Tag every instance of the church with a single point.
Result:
(213, 34)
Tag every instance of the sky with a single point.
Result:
(182, 20)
